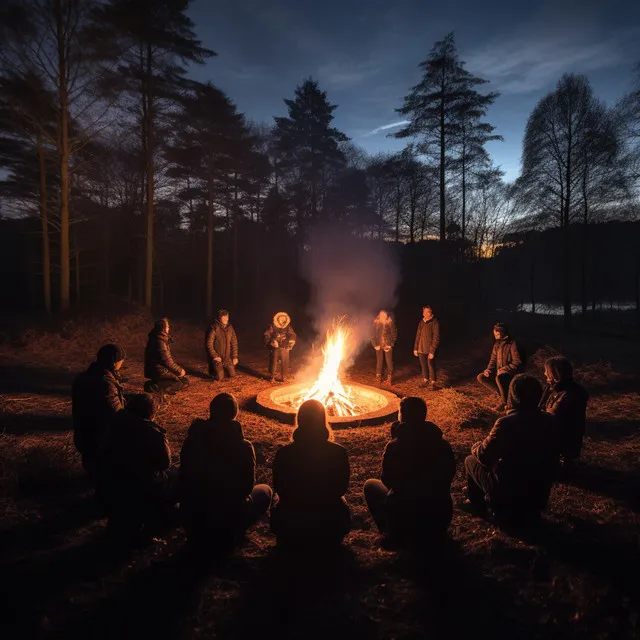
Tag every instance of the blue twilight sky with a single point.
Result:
(365, 54)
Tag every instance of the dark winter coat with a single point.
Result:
(567, 401)
(427, 336)
(97, 396)
(136, 458)
(158, 362)
(418, 467)
(217, 469)
(311, 480)
(286, 338)
(221, 342)
(505, 357)
(522, 449)
(384, 334)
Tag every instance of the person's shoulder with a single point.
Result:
(338, 449)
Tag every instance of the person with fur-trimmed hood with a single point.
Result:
(565, 399)
(97, 396)
(163, 373)
(279, 338)
(218, 499)
(514, 467)
(504, 364)
(221, 344)
(383, 338)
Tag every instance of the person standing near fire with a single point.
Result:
(383, 339)
(221, 344)
(279, 338)
(426, 346)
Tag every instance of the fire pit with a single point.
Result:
(345, 404)
(371, 405)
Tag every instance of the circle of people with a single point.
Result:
(126, 454)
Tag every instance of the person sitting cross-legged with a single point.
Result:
(514, 467)
(412, 502)
(311, 477)
(218, 499)
(135, 474)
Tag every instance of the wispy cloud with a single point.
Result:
(340, 74)
(530, 62)
(386, 127)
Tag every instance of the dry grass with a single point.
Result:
(575, 580)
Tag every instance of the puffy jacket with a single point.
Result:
(221, 342)
(286, 338)
(158, 362)
(505, 357)
(384, 334)
(97, 396)
(567, 401)
(427, 336)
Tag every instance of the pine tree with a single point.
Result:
(445, 108)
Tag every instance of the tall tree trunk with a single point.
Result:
(44, 220)
(464, 195)
(443, 222)
(210, 230)
(148, 116)
(63, 144)
(235, 243)
(585, 242)
(566, 244)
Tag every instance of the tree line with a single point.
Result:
(131, 178)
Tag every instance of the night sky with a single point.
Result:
(365, 54)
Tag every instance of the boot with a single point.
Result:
(378, 378)
(388, 380)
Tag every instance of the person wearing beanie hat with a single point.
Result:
(279, 338)
(218, 497)
(221, 345)
(163, 373)
(504, 364)
(97, 396)
(514, 467)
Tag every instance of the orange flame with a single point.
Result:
(327, 388)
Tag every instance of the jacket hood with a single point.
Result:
(417, 431)
(281, 320)
(217, 431)
(158, 332)
(218, 323)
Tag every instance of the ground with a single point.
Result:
(60, 577)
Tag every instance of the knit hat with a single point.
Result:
(109, 354)
(281, 320)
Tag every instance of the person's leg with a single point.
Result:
(432, 369)
(261, 497)
(379, 360)
(284, 356)
(273, 361)
(375, 494)
(168, 386)
(424, 366)
(230, 369)
(502, 383)
(218, 371)
(388, 356)
(489, 383)
(480, 480)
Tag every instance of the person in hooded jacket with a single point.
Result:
(504, 364)
(279, 338)
(135, 471)
(161, 370)
(514, 467)
(218, 499)
(426, 346)
(221, 344)
(412, 501)
(383, 338)
(565, 399)
(97, 396)
(311, 477)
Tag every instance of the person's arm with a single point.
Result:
(159, 451)
(417, 340)
(291, 336)
(390, 466)
(491, 367)
(167, 360)
(234, 344)
(435, 343)
(267, 337)
(247, 470)
(516, 361)
(112, 397)
(394, 334)
(492, 448)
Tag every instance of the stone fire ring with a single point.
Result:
(269, 400)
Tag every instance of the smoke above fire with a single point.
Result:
(349, 277)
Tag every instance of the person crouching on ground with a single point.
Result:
(504, 364)
(218, 499)
(97, 396)
(412, 501)
(135, 476)
(383, 339)
(311, 477)
(161, 370)
(514, 467)
(567, 401)
(221, 344)
(279, 338)
(426, 346)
